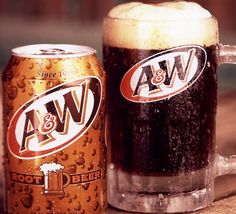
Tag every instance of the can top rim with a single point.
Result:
(52, 51)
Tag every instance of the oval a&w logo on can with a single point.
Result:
(164, 74)
(55, 119)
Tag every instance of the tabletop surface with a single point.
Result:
(225, 186)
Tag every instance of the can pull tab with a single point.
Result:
(53, 51)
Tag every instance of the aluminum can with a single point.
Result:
(54, 144)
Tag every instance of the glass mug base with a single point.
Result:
(151, 194)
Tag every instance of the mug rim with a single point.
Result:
(160, 20)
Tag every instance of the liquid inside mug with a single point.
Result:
(162, 99)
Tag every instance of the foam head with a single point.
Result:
(47, 168)
(159, 26)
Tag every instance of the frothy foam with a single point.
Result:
(47, 168)
(166, 11)
(159, 26)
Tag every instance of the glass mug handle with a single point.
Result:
(226, 165)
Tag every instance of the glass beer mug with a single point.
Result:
(161, 62)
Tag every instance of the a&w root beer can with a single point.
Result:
(55, 152)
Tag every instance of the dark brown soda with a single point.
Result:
(166, 137)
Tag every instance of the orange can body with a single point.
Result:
(54, 143)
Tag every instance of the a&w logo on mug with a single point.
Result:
(55, 119)
(164, 75)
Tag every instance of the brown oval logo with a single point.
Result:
(164, 74)
(55, 119)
